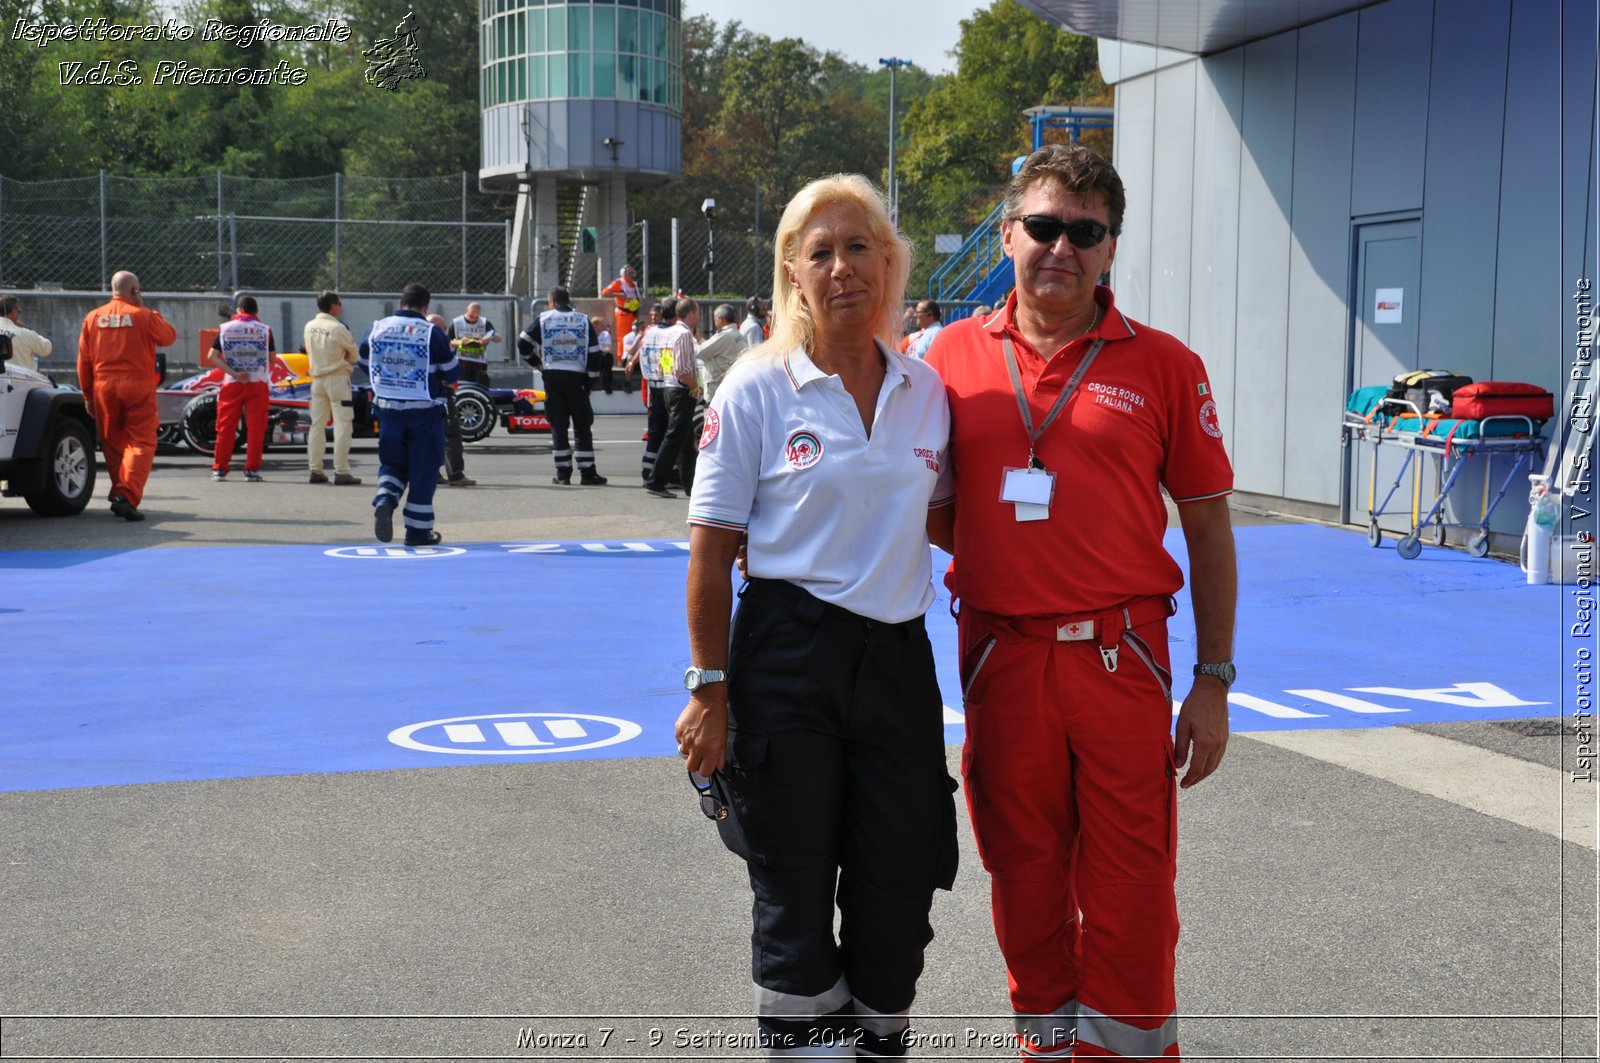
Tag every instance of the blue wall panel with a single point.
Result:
(1319, 258)
(1171, 211)
(1529, 300)
(1214, 260)
(1462, 195)
(1391, 106)
(1265, 190)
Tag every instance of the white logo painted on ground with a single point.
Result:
(393, 553)
(516, 734)
(1461, 695)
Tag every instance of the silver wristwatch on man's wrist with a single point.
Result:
(695, 678)
(1223, 670)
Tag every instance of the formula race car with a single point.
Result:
(188, 409)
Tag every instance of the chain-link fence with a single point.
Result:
(219, 232)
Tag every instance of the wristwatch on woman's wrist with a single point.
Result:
(695, 678)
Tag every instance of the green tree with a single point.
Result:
(962, 135)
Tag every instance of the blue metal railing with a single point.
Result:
(972, 264)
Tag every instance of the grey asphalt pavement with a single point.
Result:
(584, 909)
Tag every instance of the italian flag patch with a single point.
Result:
(1205, 389)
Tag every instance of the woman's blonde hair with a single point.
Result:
(792, 324)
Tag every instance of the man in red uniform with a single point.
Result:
(116, 370)
(1064, 591)
(243, 350)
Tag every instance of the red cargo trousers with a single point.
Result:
(1073, 795)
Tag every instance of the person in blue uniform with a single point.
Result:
(561, 343)
(409, 361)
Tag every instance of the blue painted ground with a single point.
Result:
(161, 665)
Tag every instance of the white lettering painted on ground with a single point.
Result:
(1343, 701)
(602, 548)
(1267, 708)
(1467, 695)
(1463, 695)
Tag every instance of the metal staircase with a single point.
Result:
(572, 206)
(978, 272)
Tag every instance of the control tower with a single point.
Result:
(579, 100)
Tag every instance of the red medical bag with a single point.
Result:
(1495, 398)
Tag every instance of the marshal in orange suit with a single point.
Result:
(116, 370)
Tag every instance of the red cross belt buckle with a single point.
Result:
(1077, 631)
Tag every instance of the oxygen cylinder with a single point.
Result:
(1543, 510)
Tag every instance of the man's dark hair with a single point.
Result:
(328, 300)
(668, 308)
(682, 307)
(415, 297)
(9, 303)
(933, 309)
(560, 296)
(1080, 172)
(247, 305)
(754, 306)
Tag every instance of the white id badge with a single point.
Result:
(1030, 490)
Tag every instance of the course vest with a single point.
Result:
(398, 358)
(245, 343)
(564, 341)
(473, 332)
(656, 342)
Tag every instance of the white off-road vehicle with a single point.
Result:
(46, 440)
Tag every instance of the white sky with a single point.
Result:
(863, 30)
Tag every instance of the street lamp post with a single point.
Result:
(709, 209)
(894, 66)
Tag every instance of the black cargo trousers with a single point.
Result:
(837, 787)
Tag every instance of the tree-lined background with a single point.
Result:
(759, 114)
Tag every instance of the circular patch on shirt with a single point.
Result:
(804, 449)
(708, 435)
(1210, 420)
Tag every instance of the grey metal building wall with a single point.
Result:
(1460, 132)
(567, 137)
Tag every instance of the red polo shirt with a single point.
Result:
(1142, 418)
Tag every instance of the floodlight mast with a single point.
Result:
(894, 66)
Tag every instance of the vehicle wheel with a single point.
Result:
(170, 435)
(200, 424)
(1437, 535)
(1374, 533)
(69, 474)
(476, 413)
(1478, 545)
(1409, 547)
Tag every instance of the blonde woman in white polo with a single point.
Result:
(821, 725)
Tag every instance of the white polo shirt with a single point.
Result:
(784, 457)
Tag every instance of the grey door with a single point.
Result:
(1384, 308)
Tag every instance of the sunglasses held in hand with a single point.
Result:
(713, 802)
(1084, 233)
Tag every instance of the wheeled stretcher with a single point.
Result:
(1451, 444)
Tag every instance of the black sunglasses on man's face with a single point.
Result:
(1084, 233)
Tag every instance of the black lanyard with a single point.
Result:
(1061, 400)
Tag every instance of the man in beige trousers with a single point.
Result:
(331, 351)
